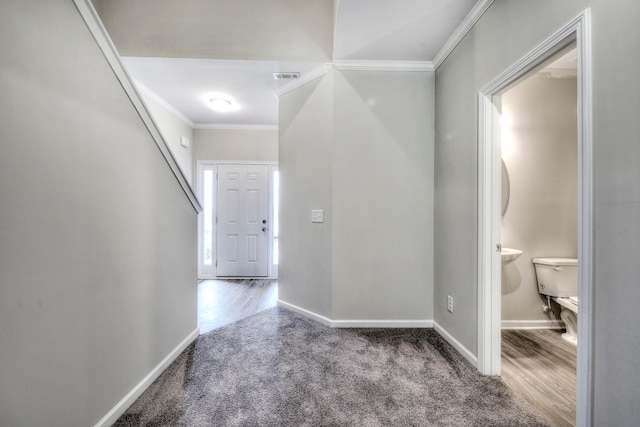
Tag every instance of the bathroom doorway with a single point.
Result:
(539, 141)
(575, 34)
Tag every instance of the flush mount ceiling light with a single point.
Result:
(220, 102)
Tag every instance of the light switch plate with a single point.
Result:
(317, 216)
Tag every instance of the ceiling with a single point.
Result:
(181, 83)
(564, 66)
(180, 50)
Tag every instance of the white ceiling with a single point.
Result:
(182, 82)
(399, 30)
(374, 30)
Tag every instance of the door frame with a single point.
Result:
(578, 32)
(201, 166)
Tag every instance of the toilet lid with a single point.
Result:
(574, 299)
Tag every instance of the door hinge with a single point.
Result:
(498, 247)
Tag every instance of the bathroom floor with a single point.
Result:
(221, 302)
(540, 367)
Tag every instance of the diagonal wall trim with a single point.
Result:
(465, 26)
(124, 404)
(358, 65)
(466, 353)
(99, 33)
(305, 312)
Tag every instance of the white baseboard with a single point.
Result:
(357, 323)
(208, 277)
(382, 323)
(120, 408)
(533, 324)
(305, 312)
(471, 358)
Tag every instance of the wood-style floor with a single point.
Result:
(540, 367)
(221, 302)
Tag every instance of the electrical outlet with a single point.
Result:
(450, 303)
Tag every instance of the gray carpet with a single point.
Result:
(277, 368)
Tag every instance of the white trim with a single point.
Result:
(214, 126)
(586, 226)
(273, 268)
(579, 31)
(357, 323)
(382, 323)
(316, 73)
(532, 324)
(164, 104)
(124, 404)
(465, 26)
(236, 162)
(207, 277)
(464, 351)
(304, 312)
(90, 17)
(207, 272)
(359, 65)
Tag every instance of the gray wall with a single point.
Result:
(383, 195)
(360, 146)
(173, 129)
(506, 33)
(305, 164)
(539, 148)
(97, 239)
(274, 30)
(236, 144)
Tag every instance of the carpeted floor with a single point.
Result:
(277, 368)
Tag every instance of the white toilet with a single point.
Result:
(558, 280)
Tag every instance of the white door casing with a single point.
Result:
(243, 222)
(577, 31)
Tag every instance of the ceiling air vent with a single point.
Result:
(286, 76)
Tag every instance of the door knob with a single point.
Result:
(264, 228)
(264, 221)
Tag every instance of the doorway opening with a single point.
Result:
(576, 33)
(238, 227)
(539, 223)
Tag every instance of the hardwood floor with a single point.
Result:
(540, 367)
(221, 302)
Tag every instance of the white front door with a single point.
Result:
(243, 206)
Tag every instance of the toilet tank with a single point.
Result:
(557, 277)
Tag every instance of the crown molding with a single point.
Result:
(215, 126)
(304, 79)
(164, 104)
(465, 26)
(361, 65)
